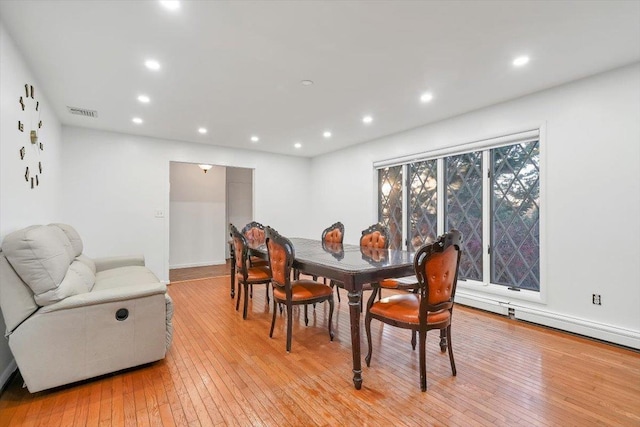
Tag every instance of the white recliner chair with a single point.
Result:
(70, 317)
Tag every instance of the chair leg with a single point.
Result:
(246, 301)
(273, 319)
(443, 340)
(239, 296)
(289, 327)
(367, 328)
(306, 315)
(331, 317)
(423, 359)
(251, 294)
(413, 339)
(268, 299)
(453, 364)
(333, 284)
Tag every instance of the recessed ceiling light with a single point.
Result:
(297, 145)
(137, 120)
(170, 4)
(152, 64)
(520, 61)
(306, 82)
(327, 134)
(144, 99)
(426, 97)
(255, 139)
(367, 119)
(202, 130)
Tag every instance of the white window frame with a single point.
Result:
(484, 145)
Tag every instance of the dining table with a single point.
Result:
(350, 267)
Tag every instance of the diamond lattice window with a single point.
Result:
(423, 203)
(463, 209)
(515, 225)
(390, 203)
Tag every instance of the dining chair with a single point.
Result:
(255, 234)
(290, 292)
(431, 307)
(332, 238)
(247, 274)
(374, 243)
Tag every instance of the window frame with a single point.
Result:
(485, 145)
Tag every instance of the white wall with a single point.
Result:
(114, 183)
(20, 205)
(197, 216)
(239, 196)
(591, 207)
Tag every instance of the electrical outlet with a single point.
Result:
(159, 213)
(596, 299)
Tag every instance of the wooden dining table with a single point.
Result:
(351, 267)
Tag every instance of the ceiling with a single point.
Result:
(236, 68)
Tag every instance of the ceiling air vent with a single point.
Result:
(82, 112)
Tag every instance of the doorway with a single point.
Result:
(201, 206)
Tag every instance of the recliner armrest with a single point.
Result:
(107, 263)
(106, 296)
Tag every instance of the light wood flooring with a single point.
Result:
(222, 370)
(204, 272)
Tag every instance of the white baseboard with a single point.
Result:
(6, 374)
(600, 331)
(198, 264)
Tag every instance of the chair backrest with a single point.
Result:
(436, 266)
(281, 255)
(376, 236)
(240, 249)
(254, 232)
(334, 233)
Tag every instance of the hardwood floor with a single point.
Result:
(193, 273)
(222, 370)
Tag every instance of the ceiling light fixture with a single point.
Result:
(205, 168)
(152, 64)
(367, 119)
(327, 134)
(520, 61)
(426, 97)
(144, 99)
(306, 82)
(170, 4)
(297, 145)
(137, 120)
(202, 130)
(255, 139)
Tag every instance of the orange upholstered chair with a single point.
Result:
(332, 238)
(246, 274)
(292, 292)
(255, 235)
(431, 307)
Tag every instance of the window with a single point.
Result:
(490, 194)
(515, 216)
(390, 203)
(463, 209)
(423, 202)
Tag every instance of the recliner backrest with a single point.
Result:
(44, 258)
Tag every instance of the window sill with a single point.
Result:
(505, 295)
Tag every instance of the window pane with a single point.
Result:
(463, 210)
(423, 203)
(390, 203)
(515, 198)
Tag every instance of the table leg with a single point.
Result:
(354, 315)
